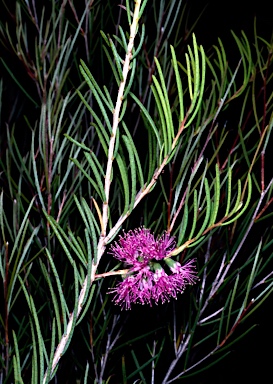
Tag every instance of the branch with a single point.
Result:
(126, 68)
(101, 245)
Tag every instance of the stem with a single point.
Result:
(126, 68)
(102, 242)
(146, 189)
(112, 273)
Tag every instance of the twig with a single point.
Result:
(202, 289)
(175, 361)
(146, 189)
(109, 345)
(112, 273)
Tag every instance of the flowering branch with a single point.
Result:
(101, 245)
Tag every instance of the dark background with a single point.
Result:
(251, 358)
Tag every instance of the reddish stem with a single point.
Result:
(236, 324)
(264, 209)
(262, 171)
(169, 204)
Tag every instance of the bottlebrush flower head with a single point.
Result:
(152, 276)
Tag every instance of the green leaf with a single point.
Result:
(164, 97)
(148, 117)
(125, 181)
(216, 199)
(178, 85)
(64, 307)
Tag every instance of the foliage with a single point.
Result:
(118, 123)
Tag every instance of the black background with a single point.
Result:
(251, 358)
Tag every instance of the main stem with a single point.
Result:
(101, 245)
(126, 68)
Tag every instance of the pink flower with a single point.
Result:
(146, 280)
